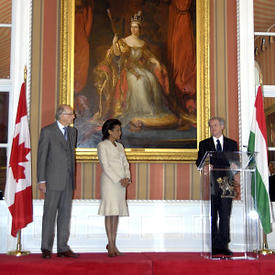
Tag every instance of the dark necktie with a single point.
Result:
(66, 133)
(219, 146)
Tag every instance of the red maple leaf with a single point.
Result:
(18, 154)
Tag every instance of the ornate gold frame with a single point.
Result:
(66, 82)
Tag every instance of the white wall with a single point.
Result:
(151, 226)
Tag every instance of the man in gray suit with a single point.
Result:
(56, 178)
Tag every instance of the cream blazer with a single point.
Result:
(113, 161)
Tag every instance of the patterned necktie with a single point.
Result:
(66, 133)
(219, 146)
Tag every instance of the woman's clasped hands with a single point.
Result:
(125, 182)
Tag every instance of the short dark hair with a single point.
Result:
(109, 125)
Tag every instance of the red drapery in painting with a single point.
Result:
(181, 54)
(83, 26)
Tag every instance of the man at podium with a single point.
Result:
(220, 206)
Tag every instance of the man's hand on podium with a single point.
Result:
(207, 168)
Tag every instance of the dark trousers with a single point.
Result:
(220, 208)
(57, 203)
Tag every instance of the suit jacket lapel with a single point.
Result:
(225, 144)
(59, 134)
(212, 145)
(70, 133)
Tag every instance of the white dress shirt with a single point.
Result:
(220, 139)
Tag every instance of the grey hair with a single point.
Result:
(60, 109)
(221, 120)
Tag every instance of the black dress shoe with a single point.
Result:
(227, 252)
(216, 251)
(46, 254)
(67, 254)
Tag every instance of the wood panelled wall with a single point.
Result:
(165, 181)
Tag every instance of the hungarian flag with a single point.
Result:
(258, 143)
(18, 191)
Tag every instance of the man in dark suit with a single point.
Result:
(220, 207)
(56, 178)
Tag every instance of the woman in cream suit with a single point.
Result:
(114, 180)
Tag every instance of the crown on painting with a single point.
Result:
(137, 18)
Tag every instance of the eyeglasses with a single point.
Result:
(69, 114)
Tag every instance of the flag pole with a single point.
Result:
(265, 250)
(18, 252)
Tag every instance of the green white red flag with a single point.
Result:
(18, 191)
(258, 143)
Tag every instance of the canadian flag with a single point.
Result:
(18, 191)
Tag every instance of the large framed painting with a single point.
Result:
(144, 62)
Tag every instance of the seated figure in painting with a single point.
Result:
(132, 84)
